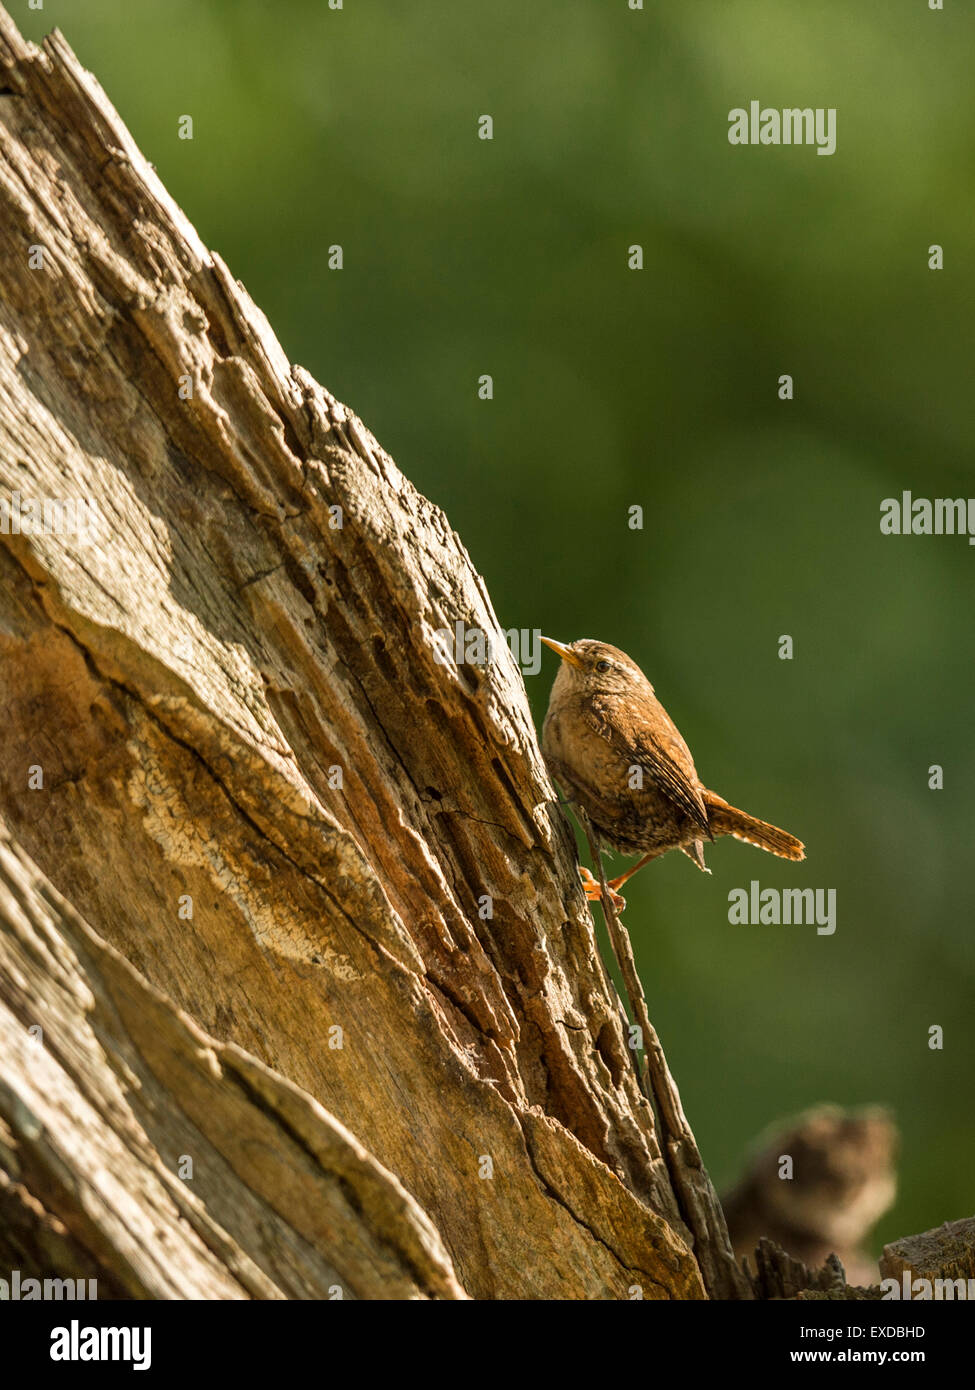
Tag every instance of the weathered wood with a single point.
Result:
(779, 1275)
(945, 1253)
(697, 1198)
(938, 1264)
(232, 693)
(137, 1151)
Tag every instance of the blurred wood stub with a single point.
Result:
(945, 1253)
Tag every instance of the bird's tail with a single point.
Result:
(728, 820)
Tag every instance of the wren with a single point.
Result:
(619, 758)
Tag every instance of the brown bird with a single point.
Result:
(843, 1180)
(619, 758)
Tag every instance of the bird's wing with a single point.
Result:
(662, 756)
(666, 759)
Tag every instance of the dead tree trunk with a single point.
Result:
(253, 822)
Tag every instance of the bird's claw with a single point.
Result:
(594, 892)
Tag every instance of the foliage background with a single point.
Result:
(614, 387)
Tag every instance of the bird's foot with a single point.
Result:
(594, 891)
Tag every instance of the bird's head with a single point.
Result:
(595, 668)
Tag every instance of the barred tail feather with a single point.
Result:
(728, 820)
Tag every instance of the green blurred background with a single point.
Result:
(659, 388)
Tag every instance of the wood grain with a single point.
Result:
(188, 679)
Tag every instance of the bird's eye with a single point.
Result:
(603, 665)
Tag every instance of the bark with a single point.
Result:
(253, 822)
(139, 1152)
(946, 1253)
(942, 1259)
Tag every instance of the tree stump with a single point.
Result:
(289, 899)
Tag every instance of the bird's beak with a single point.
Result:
(566, 653)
